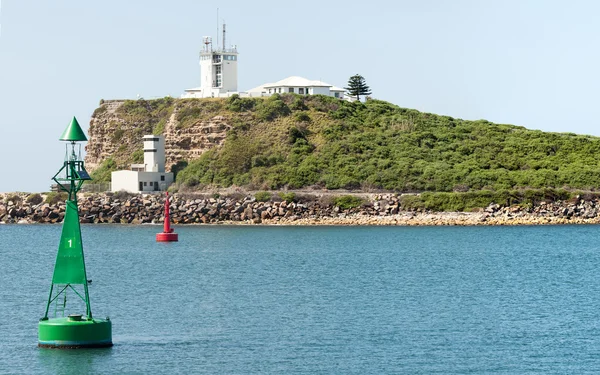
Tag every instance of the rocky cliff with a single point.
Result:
(117, 127)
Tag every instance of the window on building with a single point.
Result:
(280, 89)
(145, 183)
(269, 91)
(337, 94)
(162, 178)
(306, 90)
(218, 70)
(301, 91)
(291, 90)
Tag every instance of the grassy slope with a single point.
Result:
(296, 141)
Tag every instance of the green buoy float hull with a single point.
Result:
(75, 332)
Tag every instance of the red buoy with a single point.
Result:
(167, 235)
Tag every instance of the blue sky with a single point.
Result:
(533, 63)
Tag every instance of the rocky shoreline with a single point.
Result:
(377, 209)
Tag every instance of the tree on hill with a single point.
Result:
(357, 86)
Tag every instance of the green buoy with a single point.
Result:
(77, 329)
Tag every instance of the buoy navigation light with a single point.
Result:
(70, 328)
(168, 235)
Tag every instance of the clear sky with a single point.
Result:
(534, 63)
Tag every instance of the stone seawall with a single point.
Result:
(378, 209)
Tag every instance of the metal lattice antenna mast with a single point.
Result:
(223, 36)
(217, 28)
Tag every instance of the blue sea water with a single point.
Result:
(315, 300)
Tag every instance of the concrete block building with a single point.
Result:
(149, 176)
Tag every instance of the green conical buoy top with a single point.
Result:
(73, 132)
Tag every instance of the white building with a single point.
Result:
(298, 85)
(147, 177)
(218, 78)
(218, 71)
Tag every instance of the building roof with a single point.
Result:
(334, 88)
(295, 81)
(260, 88)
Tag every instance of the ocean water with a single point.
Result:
(315, 300)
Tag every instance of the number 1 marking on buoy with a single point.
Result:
(70, 243)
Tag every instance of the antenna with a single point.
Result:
(217, 27)
(207, 40)
(223, 36)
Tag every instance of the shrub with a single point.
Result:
(326, 200)
(178, 167)
(272, 108)
(296, 133)
(56, 197)
(302, 117)
(117, 135)
(288, 197)
(298, 104)
(137, 156)
(102, 174)
(100, 110)
(35, 199)
(346, 202)
(411, 202)
(159, 128)
(237, 104)
(263, 196)
(14, 198)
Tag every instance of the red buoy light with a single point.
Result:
(167, 235)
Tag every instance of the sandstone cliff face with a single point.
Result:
(117, 127)
(100, 146)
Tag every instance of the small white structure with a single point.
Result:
(147, 177)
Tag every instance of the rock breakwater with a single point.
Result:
(238, 208)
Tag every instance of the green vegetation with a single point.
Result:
(347, 201)
(35, 199)
(191, 112)
(138, 156)
(102, 173)
(377, 144)
(287, 196)
(357, 86)
(290, 142)
(14, 198)
(159, 128)
(135, 118)
(55, 197)
(263, 196)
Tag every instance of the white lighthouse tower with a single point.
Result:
(218, 70)
(154, 153)
(151, 175)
